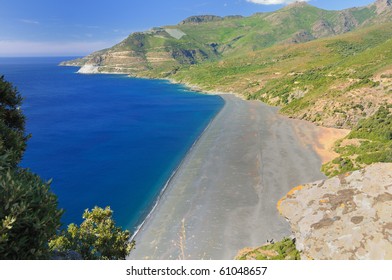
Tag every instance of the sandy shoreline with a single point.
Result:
(223, 196)
(162, 192)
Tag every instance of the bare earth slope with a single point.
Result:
(224, 194)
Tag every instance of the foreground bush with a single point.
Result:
(97, 238)
(29, 216)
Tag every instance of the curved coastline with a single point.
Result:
(151, 207)
(191, 221)
(223, 196)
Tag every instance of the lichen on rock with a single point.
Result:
(345, 217)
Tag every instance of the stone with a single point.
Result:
(343, 218)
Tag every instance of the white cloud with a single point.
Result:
(275, 2)
(29, 21)
(28, 48)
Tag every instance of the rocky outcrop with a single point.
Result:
(296, 4)
(322, 28)
(301, 37)
(346, 22)
(89, 69)
(383, 6)
(346, 217)
(200, 19)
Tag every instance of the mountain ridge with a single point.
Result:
(157, 49)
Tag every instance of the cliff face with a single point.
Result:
(346, 217)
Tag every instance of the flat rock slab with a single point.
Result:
(343, 218)
(223, 197)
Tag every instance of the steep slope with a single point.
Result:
(333, 82)
(370, 141)
(159, 49)
(162, 51)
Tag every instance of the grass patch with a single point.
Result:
(282, 250)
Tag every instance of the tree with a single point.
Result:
(29, 216)
(12, 123)
(97, 238)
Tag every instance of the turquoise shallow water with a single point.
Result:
(105, 139)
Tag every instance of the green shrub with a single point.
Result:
(29, 216)
(375, 144)
(97, 238)
(377, 128)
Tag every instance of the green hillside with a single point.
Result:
(343, 81)
(333, 68)
(162, 51)
(323, 81)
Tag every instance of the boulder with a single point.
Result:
(345, 217)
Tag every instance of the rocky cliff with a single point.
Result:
(346, 217)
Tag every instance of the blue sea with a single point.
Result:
(105, 140)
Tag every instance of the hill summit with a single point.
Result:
(297, 4)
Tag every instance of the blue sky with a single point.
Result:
(78, 27)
